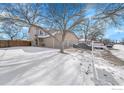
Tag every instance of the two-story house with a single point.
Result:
(41, 39)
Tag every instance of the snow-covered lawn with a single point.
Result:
(46, 66)
(119, 51)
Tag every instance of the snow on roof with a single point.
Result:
(82, 39)
(45, 36)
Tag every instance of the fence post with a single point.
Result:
(93, 63)
(7, 43)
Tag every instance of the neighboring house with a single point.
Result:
(42, 39)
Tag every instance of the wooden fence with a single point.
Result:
(13, 43)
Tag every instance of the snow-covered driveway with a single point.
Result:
(45, 66)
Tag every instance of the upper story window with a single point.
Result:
(42, 33)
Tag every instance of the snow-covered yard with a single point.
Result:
(45, 66)
(119, 51)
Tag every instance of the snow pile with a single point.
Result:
(7, 54)
(119, 52)
(1, 53)
(13, 52)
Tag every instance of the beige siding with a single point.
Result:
(70, 39)
(33, 31)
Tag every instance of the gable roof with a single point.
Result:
(47, 36)
(53, 32)
(38, 29)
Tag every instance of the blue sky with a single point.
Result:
(114, 34)
(111, 33)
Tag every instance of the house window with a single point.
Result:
(41, 33)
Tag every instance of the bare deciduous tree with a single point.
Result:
(10, 29)
(122, 41)
(91, 30)
(65, 17)
(96, 31)
(111, 13)
(26, 15)
(84, 29)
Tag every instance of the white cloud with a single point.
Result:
(119, 30)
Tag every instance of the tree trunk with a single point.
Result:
(62, 42)
(62, 46)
